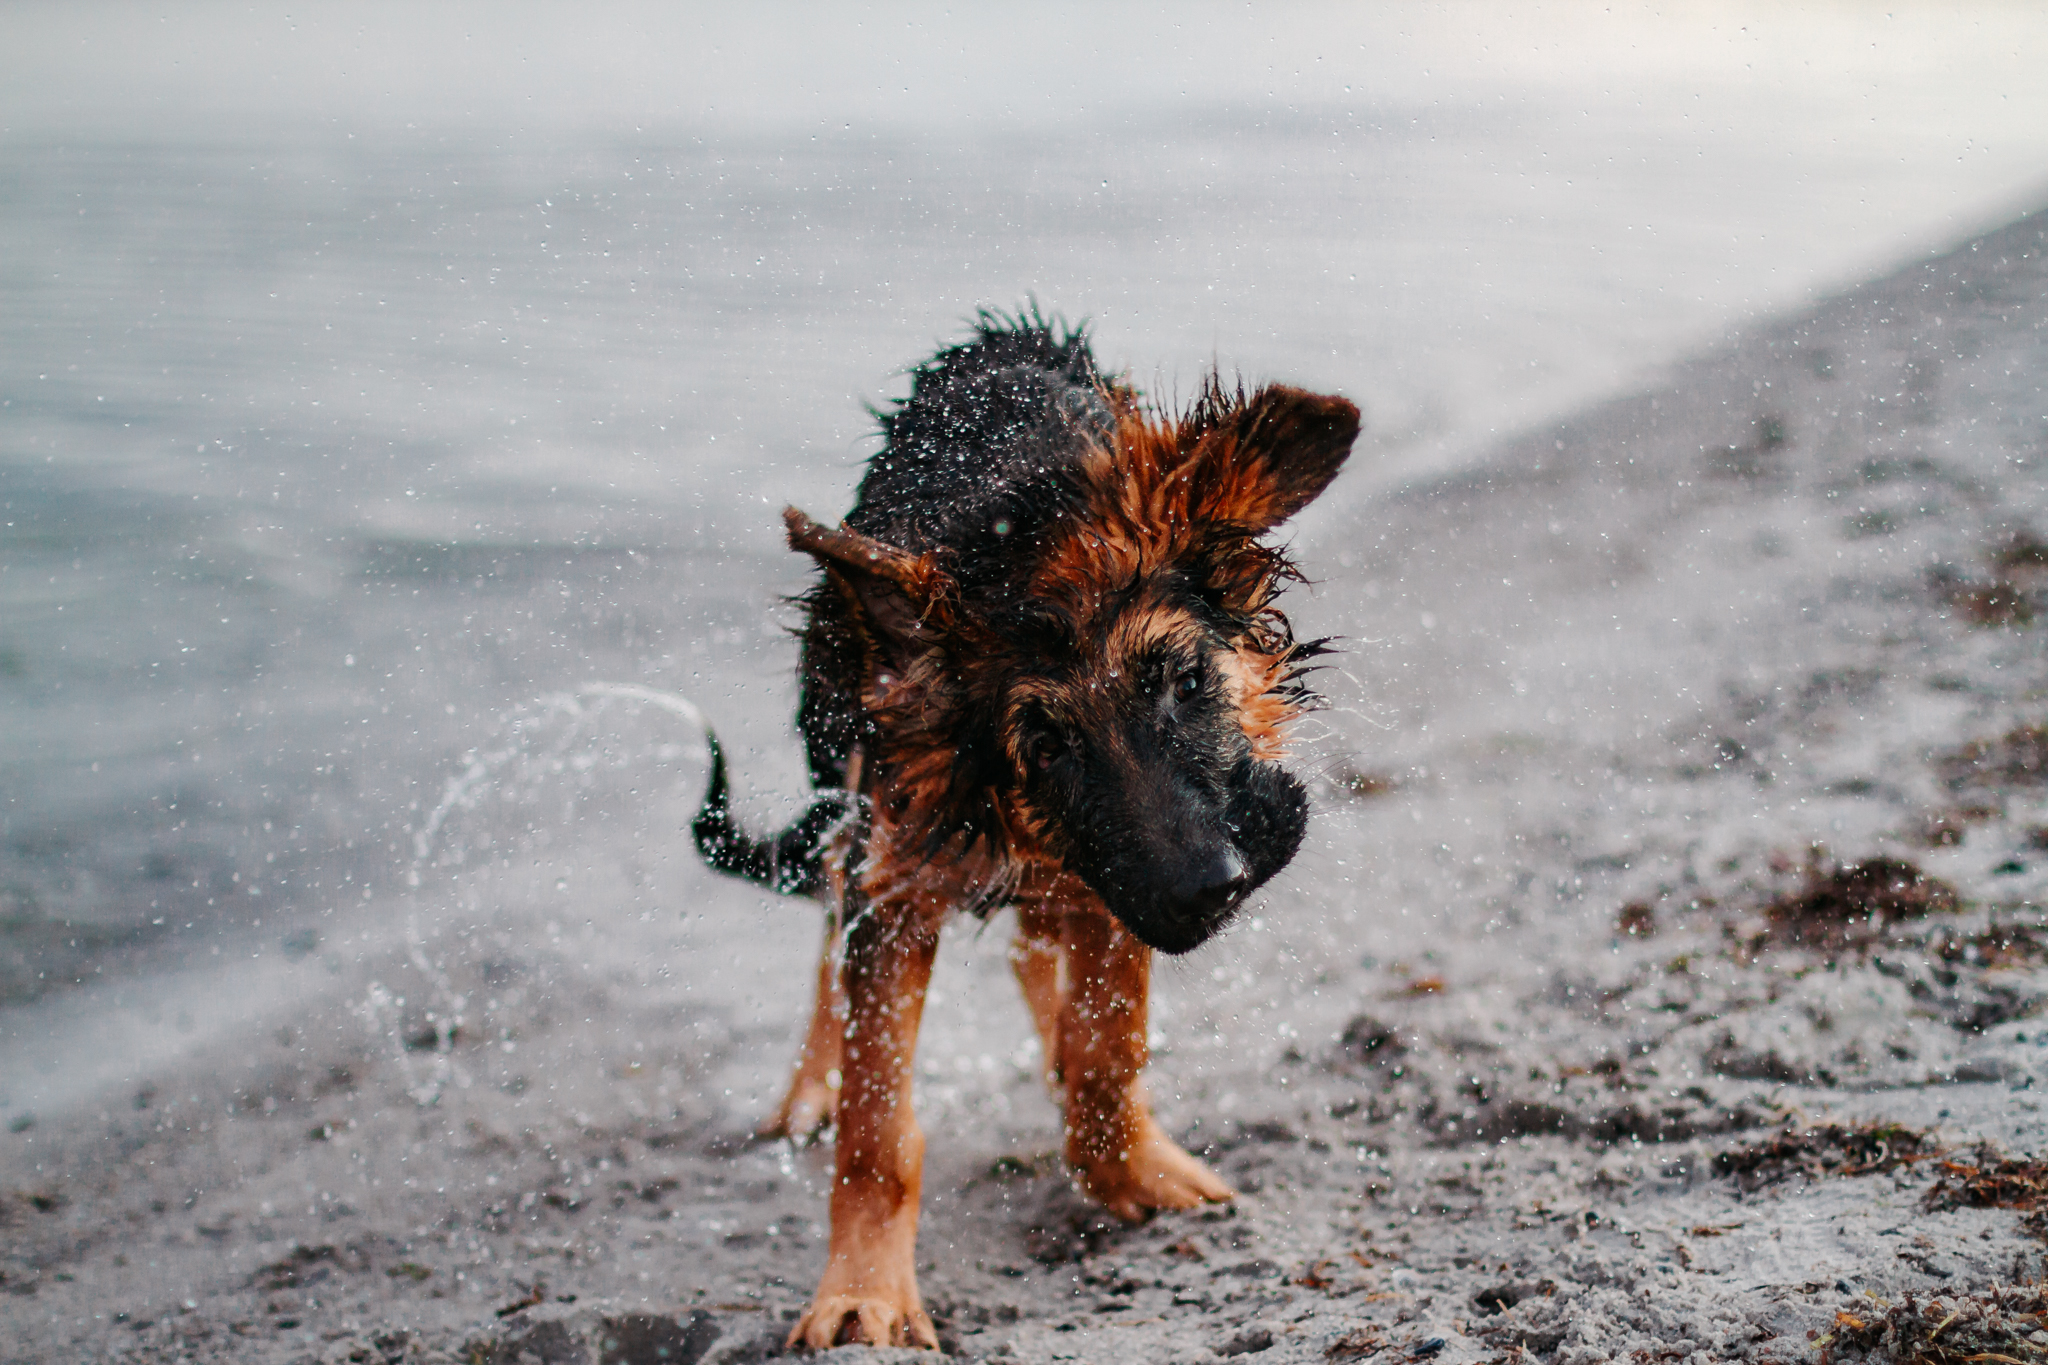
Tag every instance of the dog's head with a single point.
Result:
(1118, 702)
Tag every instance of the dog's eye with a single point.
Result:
(1045, 752)
(1187, 685)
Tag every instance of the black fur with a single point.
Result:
(986, 437)
(986, 440)
(792, 863)
(1173, 823)
(1170, 819)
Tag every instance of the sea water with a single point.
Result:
(329, 461)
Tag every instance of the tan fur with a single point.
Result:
(1086, 981)
(1161, 502)
(812, 1100)
(1263, 711)
(1040, 964)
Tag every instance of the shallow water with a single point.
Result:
(323, 454)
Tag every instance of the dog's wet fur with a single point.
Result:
(1043, 666)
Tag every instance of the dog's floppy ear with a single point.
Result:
(904, 600)
(1261, 459)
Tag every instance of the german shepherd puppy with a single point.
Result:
(1042, 668)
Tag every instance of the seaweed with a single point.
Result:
(1995, 1324)
(1992, 1180)
(1850, 907)
(1833, 1149)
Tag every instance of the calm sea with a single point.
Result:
(323, 454)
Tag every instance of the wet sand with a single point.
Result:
(1575, 1032)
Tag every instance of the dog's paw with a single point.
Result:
(807, 1110)
(849, 1319)
(1154, 1174)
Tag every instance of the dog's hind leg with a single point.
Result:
(869, 1290)
(812, 1100)
(1117, 1149)
(1039, 961)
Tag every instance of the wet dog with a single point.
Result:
(1043, 668)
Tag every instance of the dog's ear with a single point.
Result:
(1261, 459)
(904, 600)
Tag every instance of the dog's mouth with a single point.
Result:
(1182, 905)
(1185, 927)
(1182, 916)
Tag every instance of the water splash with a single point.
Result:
(528, 755)
(565, 747)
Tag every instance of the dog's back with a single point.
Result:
(985, 436)
(975, 464)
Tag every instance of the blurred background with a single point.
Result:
(370, 374)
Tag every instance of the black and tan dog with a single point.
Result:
(1043, 669)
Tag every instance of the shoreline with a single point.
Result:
(1646, 657)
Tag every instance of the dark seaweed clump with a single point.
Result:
(1995, 1324)
(1848, 907)
(1992, 1180)
(1831, 1149)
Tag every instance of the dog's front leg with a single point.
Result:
(1116, 1148)
(869, 1291)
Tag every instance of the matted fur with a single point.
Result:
(1164, 506)
(1044, 667)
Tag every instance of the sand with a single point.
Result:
(1585, 1028)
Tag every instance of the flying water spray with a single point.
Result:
(548, 763)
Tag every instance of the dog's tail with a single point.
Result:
(791, 862)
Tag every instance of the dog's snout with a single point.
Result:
(1213, 884)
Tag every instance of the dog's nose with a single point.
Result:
(1213, 884)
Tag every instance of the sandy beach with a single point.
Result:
(1660, 980)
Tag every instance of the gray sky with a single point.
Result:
(1963, 77)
